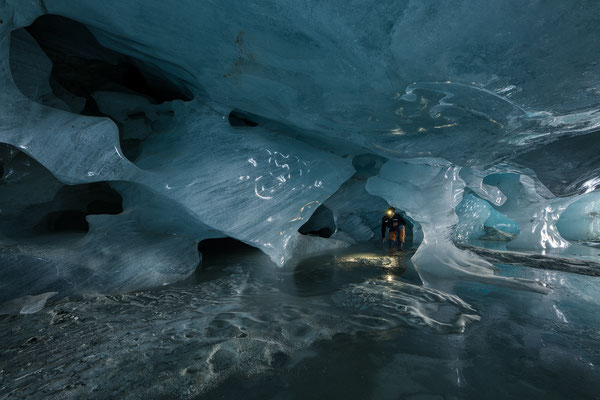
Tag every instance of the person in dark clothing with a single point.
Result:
(394, 223)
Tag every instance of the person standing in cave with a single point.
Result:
(395, 225)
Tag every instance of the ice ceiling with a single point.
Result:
(161, 124)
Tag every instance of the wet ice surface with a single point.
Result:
(351, 324)
(582, 266)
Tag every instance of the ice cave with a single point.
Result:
(193, 199)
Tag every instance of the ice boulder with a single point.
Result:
(581, 220)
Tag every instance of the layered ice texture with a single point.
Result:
(156, 126)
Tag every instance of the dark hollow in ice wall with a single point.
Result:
(34, 203)
(83, 66)
(240, 119)
(321, 223)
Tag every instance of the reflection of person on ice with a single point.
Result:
(394, 224)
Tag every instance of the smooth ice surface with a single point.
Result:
(534, 209)
(581, 220)
(479, 220)
(255, 186)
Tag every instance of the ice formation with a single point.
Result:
(581, 220)
(246, 118)
(479, 220)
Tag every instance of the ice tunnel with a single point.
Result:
(231, 163)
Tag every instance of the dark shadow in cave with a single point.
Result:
(321, 223)
(239, 119)
(215, 248)
(75, 203)
(28, 214)
(132, 148)
(83, 66)
(367, 165)
(218, 254)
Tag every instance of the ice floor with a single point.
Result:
(351, 325)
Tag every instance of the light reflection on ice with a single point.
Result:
(559, 314)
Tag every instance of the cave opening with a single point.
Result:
(81, 65)
(219, 253)
(75, 203)
(321, 223)
(35, 204)
(82, 68)
(214, 248)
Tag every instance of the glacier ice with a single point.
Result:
(139, 139)
(482, 129)
(581, 220)
(32, 69)
(113, 257)
(479, 220)
(26, 304)
(429, 190)
(534, 209)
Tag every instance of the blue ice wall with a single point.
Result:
(477, 219)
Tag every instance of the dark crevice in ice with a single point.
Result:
(65, 221)
(91, 108)
(83, 66)
(219, 254)
(74, 204)
(132, 148)
(35, 203)
(367, 165)
(321, 223)
(238, 119)
(214, 248)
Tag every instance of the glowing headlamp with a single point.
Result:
(390, 212)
